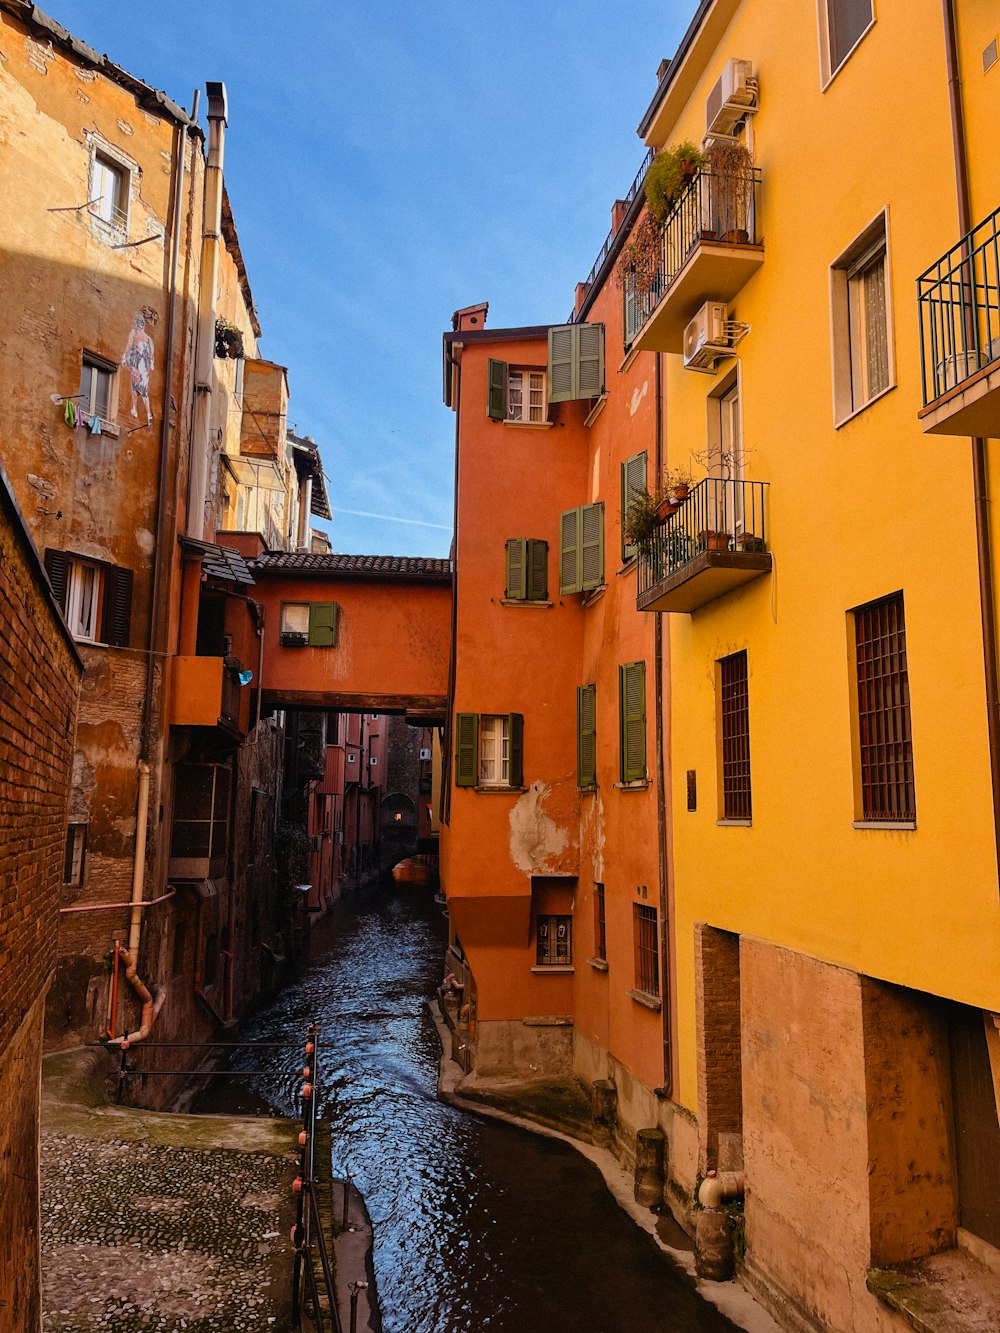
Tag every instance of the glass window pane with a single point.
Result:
(876, 338)
(295, 618)
(848, 20)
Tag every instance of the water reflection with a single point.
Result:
(478, 1226)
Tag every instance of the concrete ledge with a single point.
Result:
(950, 1292)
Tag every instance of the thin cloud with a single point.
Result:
(391, 518)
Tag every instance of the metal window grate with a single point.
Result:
(735, 705)
(647, 954)
(600, 925)
(884, 711)
(555, 941)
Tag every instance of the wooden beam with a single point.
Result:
(431, 705)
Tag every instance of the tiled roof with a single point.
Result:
(351, 566)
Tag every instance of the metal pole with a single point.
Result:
(348, 1177)
(355, 1288)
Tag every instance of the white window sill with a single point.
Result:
(856, 411)
(525, 601)
(598, 964)
(641, 785)
(630, 356)
(645, 999)
(886, 825)
(496, 789)
(734, 823)
(530, 425)
(596, 410)
(629, 565)
(546, 969)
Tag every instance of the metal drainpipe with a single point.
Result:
(260, 660)
(445, 776)
(981, 498)
(666, 980)
(204, 357)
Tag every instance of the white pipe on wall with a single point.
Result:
(139, 859)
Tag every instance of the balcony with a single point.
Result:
(206, 692)
(715, 542)
(711, 249)
(959, 303)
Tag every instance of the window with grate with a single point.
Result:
(600, 925)
(885, 743)
(735, 719)
(554, 936)
(647, 953)
(75, 856)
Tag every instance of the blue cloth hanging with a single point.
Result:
(95, 425)
(245, 677)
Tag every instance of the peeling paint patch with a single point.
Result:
(536, 840)
(124, 126)
(42, 485)
(145, 540)
(85, 75)
(40, 54)
(592, 832)
(37, 325)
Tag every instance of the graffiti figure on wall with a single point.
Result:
(138, 358)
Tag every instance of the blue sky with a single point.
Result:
(388, 164)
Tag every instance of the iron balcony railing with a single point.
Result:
(714, 207)
(609, 240)
(959, 303)
(719, 514)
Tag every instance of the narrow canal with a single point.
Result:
(478, 1225)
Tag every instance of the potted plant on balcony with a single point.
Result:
(228, 340)
(730, 167)
(678, 484)
(641, 257)
(668, 176)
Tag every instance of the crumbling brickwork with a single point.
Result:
(717, 999)
(39, 683)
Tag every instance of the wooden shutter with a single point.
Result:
(632, 711)
(517, 569)
(466, 749)
(322, 624)
(57, 568)
(586, 735)
(515, 750)
(569, 551)
(590, 372)
(633, 481)
(537, 571)
(591, 546)
(496, 393)
(576, 362)
(116, 614)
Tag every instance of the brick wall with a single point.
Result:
(717, 1006)
(39, 684)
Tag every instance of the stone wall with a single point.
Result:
(39, 683)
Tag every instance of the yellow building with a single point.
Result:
(832, 752)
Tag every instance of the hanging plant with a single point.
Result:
(228, 340)
(642, 257)
(668, 177)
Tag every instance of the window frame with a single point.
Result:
(322, 629)
(104, 157)
(735, 777)
(496, 738)
(576, 538)
(526, 570)
(829, 71)
(86, 399)
(547, 922)
(851, 392)
(75, 857)
(629, 470)
(646, 926)
(879, 776)
(76, 570)
(600, 923)
(628, 773)
(468, 765)
(523, 374)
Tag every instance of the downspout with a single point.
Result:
(444, 795)
(666, 1008)
(259, 613)
(305, 513)
(204, 363)
(151, 1004)
(981, 498)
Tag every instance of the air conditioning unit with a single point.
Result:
(706, 337)
(732, 98)
(425, 754)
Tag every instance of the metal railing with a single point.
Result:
(714, 207)
(609, 240)
(719, 514)
(308, 1235)
(959, 303)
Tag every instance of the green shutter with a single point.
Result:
(590, 364)
(322, 624)
(537, 571)
(632, 713)
(466, 749)
(569, 551)
(633, 480)
(515, 749)
(496, 394)
(516, 588)
(576, 362)
(591, 546)
(586, 735)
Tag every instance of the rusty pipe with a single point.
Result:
(111, 907)
(718, 1186)
(151, 1004)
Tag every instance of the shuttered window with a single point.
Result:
(323, 617)
(633, 477)
(576, 362)
(581, 548)
(632, 713)
(489, 750)
(95, 597)
(527, 572)
(586, 735)
(496, 390)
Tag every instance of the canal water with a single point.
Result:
(478, 1225)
